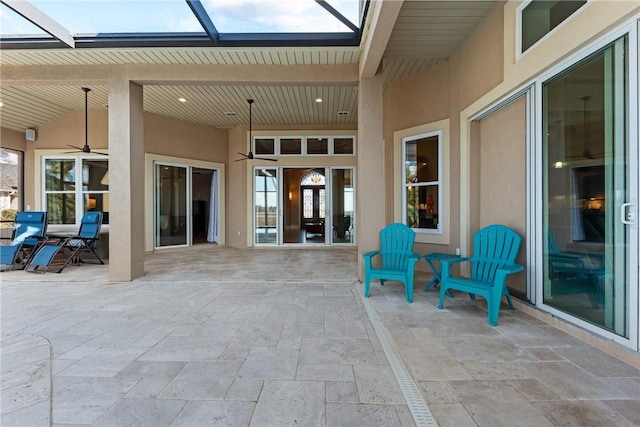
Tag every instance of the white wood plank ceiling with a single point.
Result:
(425, 33)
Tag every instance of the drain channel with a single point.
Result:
(417, 406)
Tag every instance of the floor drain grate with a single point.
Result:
(419, 410)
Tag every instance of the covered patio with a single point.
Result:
(221, 336)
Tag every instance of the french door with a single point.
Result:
(283, 201)
(590, 191)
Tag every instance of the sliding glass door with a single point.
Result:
(171, 205)
(266, 209)
(342, 205)
(590, 255)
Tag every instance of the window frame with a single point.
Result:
(433, 183)
(79, 192)
(277, 146)
(519, 27)
(441, 235)
(20, 176)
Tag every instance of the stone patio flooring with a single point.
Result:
(217, 336)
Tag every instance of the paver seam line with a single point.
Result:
(417, 406)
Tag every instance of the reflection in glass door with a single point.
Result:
(171, 205)
(587, 254)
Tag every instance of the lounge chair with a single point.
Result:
(59, 251)
(29, 230)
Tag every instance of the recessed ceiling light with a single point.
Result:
(182, 99)
(318, 99)
(1, 104)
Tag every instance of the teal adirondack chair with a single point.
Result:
(397, 259)
(495, 249)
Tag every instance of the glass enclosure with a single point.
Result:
(585, 184)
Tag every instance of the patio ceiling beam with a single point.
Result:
(41, 20)
(203, 17)
(382, 16)
(338, 15)
(189, 74)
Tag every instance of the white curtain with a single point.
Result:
(212, 229)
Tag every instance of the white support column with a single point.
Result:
(126, 181)
(370, 174)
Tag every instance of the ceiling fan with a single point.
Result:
(250, 155)
(86, 148)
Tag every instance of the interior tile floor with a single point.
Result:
(215, 336)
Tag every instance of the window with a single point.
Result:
(264, 146)
(540, 17)
(343, 145)
(291, 146)
(304, 145)
(11, 172)
(317, 145)
(73, 186)
(421, 181)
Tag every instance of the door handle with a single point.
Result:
(626, 215)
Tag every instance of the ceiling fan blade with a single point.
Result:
(265, 158)
(102, 154)
(76, 147)
(246, 157)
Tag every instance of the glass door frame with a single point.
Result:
(330, 209)
(279, 217)
(156, 200)
(633, 155)
(280, 193)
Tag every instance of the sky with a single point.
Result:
(229, 16)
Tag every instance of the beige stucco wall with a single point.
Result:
(500, 182)
(162, 135)
(441, 92)
(12, 139)
(172, 137)
(484, 70)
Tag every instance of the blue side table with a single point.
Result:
(437, 256)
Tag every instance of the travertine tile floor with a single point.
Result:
(223, 337)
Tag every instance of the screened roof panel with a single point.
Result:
(157, 23)
(13, 24)
(276, 16)
(121, 16)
